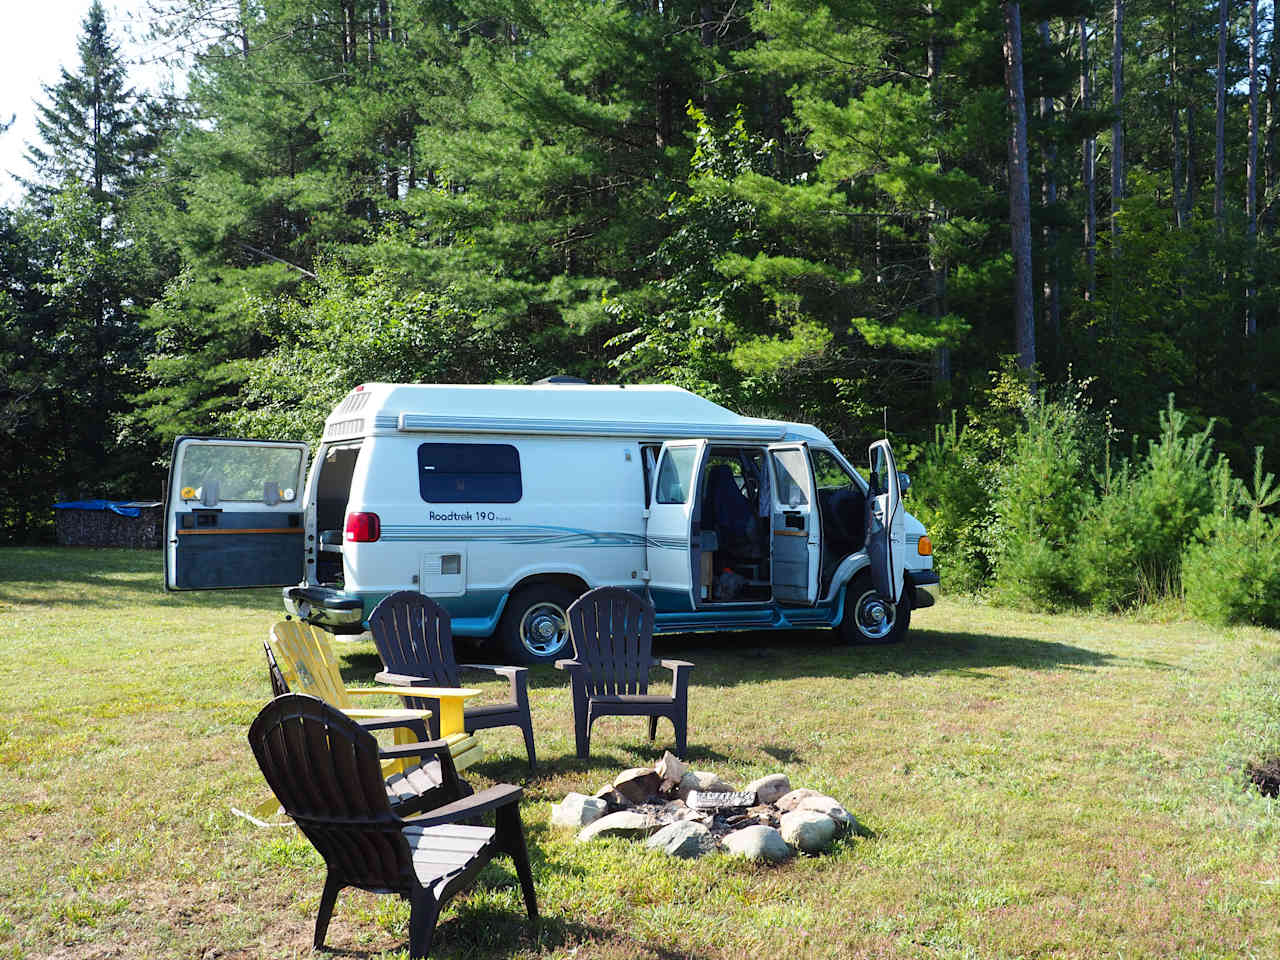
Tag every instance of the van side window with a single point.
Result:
(469, 473)
(676, 474)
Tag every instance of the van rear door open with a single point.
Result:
(234, 514)
(795, 539)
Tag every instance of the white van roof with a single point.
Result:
(649, 411)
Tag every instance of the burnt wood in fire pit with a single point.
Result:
(707, 800)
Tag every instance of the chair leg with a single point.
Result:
(327, 901)
(681, 724)
(424, 911)
(582, 733)
(511, 838)
(653, 727)
(527, 727)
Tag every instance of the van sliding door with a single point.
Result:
(796, 538)
(671, 549)
(234, 513)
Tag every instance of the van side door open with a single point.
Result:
(796, 546)
(673, 545)
(234, 514)
(886, 523)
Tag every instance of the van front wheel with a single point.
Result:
(535, 625)
(868, 618)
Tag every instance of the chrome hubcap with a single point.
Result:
(875, 617)
(544, 629)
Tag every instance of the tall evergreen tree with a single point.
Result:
(93, 149)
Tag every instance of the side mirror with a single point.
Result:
(904, 482)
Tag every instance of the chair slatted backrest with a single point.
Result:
(612, 633)
(414, 636)
(307, 663)
(325, 771)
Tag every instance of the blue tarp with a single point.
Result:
(126, 508)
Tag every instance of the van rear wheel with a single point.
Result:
(869, 618)
(535, 624)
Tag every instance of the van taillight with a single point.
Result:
(363, 528)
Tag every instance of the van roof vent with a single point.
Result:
(558, 378)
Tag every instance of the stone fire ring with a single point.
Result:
(686, 813)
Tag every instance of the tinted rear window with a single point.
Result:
(469, 473)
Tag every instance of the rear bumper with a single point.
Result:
(925, 584)
(325, 608)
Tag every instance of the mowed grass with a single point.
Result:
(1034, 786)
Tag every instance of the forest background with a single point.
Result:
(1024, 239)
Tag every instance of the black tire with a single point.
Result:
(871, 620)
(529, 614)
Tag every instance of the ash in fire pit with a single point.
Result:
(686, 813)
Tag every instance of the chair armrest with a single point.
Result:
(482, 802)
(509, 672)
(434, 693)
(425, 749)
(672, 664)
(415, 721)
(570, 665)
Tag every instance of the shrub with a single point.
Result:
(951, 496)
(1130, 542)
(1043, 491)
(1231, 571)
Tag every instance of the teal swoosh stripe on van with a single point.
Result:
(528, 535)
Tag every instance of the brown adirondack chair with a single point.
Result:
(325, 770)
(612, 634)
(414, 637)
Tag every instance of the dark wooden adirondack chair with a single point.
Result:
(612, 634)
(325, 770)
(415, 640)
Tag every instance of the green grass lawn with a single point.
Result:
(1035, 786)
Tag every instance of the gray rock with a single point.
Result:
(624, 823)
(675, 810)
(638, 785)
(577, 810)
(612, 797)
(686, 839)
(670, 767)
(757, 843)
(790, 801)
(808, 830)
(823, 804)
(703, 781)
(769, 789)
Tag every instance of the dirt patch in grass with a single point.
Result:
(1265, 776)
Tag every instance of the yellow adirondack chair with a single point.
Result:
(308, 665)
(304, 657)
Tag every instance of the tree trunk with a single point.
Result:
(1175, 124)
(937, 217)
(1117, 126)
(1049, 196)
(1019, 192)
(1189, 195)
(1251, 177)
(1088, 182)
(1219, 156)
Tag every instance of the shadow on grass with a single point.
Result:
(728, 660)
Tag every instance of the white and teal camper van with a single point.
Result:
(504, 503)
